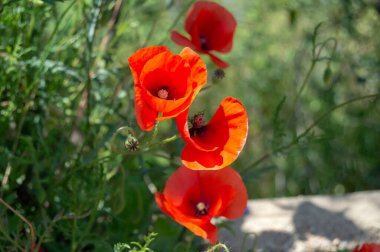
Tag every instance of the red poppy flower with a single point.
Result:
(368, 247)
(217, 144)
(193, 198)
(211, 28)
(165, 83)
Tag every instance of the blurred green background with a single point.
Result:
(65, 88)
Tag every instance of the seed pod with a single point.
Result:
(219, 74)
(132, 143)
(124, 141)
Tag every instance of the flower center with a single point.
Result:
(198, 125)
(163, 93)
(203, 41)
(200, 209)
(198, 121)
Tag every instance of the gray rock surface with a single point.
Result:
(306, 223)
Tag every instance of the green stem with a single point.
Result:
(58, 218)
(31, 95)
(32, 233)
(323, 116)
(181, 234)
(164, 141)
(183, 11)
(10, 239)
(315, 59)
(155, 132)
(218, 246)
(151, 31)
(149, 147)
(307, 130)
(61, 19)
(98, 198)
(303, 85)
(89, 42)
(73, 236)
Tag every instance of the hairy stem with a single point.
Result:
(307, 130)
(32, 233)
(218, 246)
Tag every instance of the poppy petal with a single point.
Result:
(165, 83)
(198, 68)
(368, 247)
(171, 72)
(198, 77)
(181, 40)
(220, 63)
(145, 116)
(183, 75)
(227, 130)
(179, 184)
(183, 128)
(174, 113)
(196, 159)
(214, 23)
(223, 191)
(200, 227)
(139, 58)
(235, 196)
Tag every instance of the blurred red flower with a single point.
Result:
(193, 198)
(165, 83)
(217, 144)
(368, 247)
(211, 28)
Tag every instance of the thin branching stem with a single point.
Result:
(265, 156)
(183, 11)
(58, 218)
(218, 246)
(89, 46)
(60, 20)
(32, 233)
(155, 132)
(14, 243)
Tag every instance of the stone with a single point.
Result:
(306, 223)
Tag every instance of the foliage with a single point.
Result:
(120, 247)
(66, 89)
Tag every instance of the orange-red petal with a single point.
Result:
(143, 55)
(181, 40)
(145, 116)
(200, 227)
(217, 61)
(222, 140)
(183, 128)
(169, 71)
(198, 73)
(222, 190)
(156, 70)
(198, 78)
(236, 204)
(213, 22)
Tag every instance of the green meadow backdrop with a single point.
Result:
(307, 72)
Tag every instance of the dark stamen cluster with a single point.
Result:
(201, 209)
(203, 41)
(198, 124)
